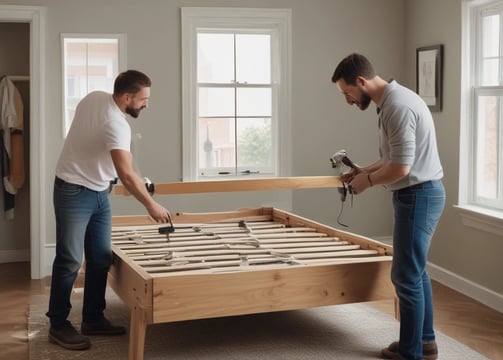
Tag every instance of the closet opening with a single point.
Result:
(15, 217)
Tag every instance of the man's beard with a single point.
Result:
(134, 112)
(364, 101)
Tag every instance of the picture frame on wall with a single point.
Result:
(429, 69)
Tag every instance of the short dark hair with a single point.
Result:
(131, 82)
(351, 67)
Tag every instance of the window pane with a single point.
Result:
(253, 59)
(76, 59)
(217, 145)
(103, 65)
(89, 64)
(216, 102)
(254, 143)
(75, 70)
(490, 40)
(490, 72)
(487, 146)
(254, 102)
(215, 58)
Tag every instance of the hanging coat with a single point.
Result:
(11, 126)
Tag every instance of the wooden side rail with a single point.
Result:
(277, 183)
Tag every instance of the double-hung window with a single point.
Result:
(235, 92)
(482, 126)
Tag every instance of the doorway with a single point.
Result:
(15, 66)
(35, 17)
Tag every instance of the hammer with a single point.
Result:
(167, 229)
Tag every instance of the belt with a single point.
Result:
(110, 187)
(424, 185)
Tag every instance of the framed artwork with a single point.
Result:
(429, 67)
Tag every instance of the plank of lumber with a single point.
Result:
(277, 183)
(186, 264)
(289, 287)
(274, 267)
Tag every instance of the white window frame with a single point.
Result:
(276, 20)
(121, 40)
(477, 213)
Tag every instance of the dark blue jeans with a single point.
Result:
(83, 227)
(417, 212)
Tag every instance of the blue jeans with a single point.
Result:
(417, 210)
(83, 227)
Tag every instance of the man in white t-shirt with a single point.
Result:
(96, 152)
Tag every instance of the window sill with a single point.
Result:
(480, 218)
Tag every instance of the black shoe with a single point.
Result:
(102, 327)
(430, 351)
(67, 337)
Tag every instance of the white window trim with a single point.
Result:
(479, 218)
(121, 38)
(472, 215)
(194, 18)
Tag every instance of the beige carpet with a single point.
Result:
(343, 332)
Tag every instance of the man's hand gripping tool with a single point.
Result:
(338, 159)
(166, 230)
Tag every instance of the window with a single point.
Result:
(89, 63)
(236, 92)
(482, 125)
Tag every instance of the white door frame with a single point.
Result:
(36, 16)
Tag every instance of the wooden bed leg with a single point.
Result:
(137, 331)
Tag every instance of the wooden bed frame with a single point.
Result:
(166, 290)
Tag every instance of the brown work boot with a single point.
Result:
(430, 351)
(66, 336)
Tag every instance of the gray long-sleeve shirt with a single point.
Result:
(407, 136)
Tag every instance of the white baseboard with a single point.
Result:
(466, 287)
(9, 256)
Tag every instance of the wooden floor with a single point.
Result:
(456, 315)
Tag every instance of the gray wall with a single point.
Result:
(324, 31)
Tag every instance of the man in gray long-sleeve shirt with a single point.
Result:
(409, 166)
(404, 120)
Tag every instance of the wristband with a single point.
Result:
(370, 181)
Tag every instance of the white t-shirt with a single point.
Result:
(98, 127)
